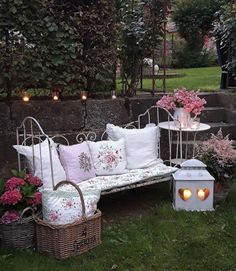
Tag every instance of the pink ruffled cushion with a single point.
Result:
(76, 161)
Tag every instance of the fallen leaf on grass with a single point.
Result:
(114, 266)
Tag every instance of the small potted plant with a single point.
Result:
(219, 156)
(183, 102)
(19, 198)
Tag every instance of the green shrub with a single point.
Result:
(187, 58)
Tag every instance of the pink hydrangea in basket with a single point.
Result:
(17, 193)
(19, 197)
(182, 98)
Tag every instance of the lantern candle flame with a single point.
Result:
(201, 194)
(55, 98)
(55, 95)
(83, 96)
(187, 194)
(25, 96)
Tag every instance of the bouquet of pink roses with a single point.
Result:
(17, 193)
(182, 98)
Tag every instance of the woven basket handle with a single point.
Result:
(79, 191)
(24, 211)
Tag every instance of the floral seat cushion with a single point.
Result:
(64, 206)
(133, 176)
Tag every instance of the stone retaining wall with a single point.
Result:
(67, 116)
(63, 117)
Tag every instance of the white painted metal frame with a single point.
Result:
(29, 133)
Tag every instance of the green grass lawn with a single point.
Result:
(205, 79)
(160, 239)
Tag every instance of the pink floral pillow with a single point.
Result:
(76, 161)
(108, 157)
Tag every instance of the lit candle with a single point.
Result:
(25, 96)
(187, 194)
(195, 125)
(84, 97)
(55, 97)
(201, 194)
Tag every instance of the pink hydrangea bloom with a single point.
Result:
(36, 200)
(10, 216)
(11, 197)
(33, 180)
(13, 183)
(189, 100)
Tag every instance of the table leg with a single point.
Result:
(170, 146)
(177, 146)
(194, 143)
(181, 145)
(186, 147)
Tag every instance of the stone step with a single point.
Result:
(234, 144)
(212, 99)
(230, 116)
(213, 114)
(227, 128)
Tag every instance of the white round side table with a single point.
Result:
(172, 127)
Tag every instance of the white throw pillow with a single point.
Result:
(141, 144)
(108, 157)
(44, 171)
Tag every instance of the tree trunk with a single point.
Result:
(131, 91)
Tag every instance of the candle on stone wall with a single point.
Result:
(25, 96)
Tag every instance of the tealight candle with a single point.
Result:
(83, 95)
(201, 194)
(195, 123)
(187, 194)
(55, 95)
(25, 96)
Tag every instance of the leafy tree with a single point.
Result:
(97, 33)
(141, 31)
(194, 19)
(50, 43)
(227, 26)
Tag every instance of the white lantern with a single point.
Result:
(193, 187)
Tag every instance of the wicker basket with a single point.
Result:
(63, 241)
(19, 234)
